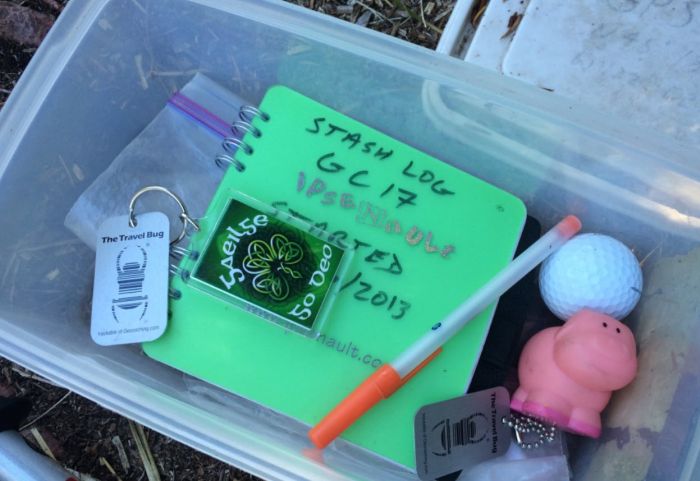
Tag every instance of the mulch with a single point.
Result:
(80, 434)
(416, 21)
(23, 25)
(85, 437)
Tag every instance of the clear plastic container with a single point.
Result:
(108, 66)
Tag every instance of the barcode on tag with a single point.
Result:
(460, 433)
(130, 294)
(130, 278)
(463, 431)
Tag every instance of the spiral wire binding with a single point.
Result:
(178, 253)
(239, 128)
(230, 144)
(178, 271)
(223, 159)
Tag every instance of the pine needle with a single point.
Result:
(81, 476)
(28, 375)
(144, 451)
(56, 404)
(105, 463)
(42, 443)
(117, 441)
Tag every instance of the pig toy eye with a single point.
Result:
(618, 330)
(605, 324)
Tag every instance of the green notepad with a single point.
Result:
(425, 235)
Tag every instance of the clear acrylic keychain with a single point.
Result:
(130, 292)
(263, 261)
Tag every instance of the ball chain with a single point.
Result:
(526, 425)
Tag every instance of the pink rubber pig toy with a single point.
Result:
(567, 374)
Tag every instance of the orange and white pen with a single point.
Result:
(390, 377)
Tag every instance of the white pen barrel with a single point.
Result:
(480, 300)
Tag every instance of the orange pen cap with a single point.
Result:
(380, 385)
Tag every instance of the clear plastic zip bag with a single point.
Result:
(177, 149)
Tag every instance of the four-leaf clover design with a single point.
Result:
(269, 263)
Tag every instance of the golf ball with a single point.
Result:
(591, 271)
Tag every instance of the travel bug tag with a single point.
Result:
(130, 291)
(455, 435)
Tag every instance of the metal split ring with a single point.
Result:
(184, 216)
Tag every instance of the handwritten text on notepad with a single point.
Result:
(353, 141)
(361, 186)
(407, 187)
(379, 260)
(368, 213)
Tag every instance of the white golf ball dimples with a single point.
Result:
(592, 271)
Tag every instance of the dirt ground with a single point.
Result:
(23, 24)
(98, 444)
